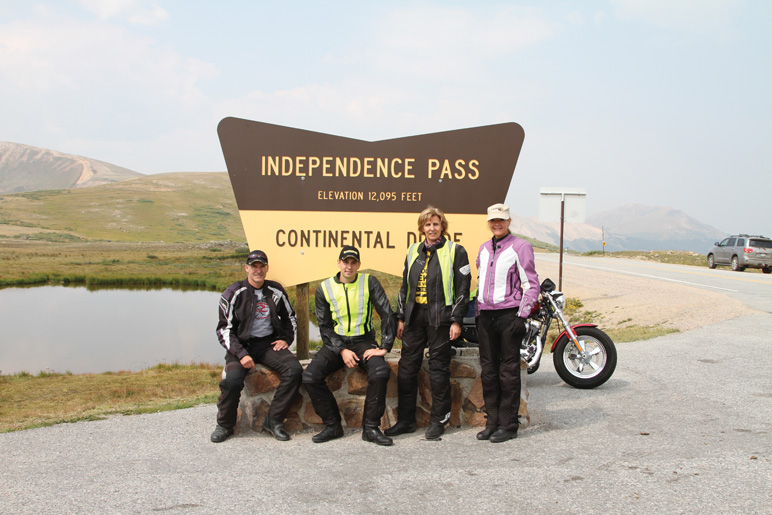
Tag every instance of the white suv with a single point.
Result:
(742, 251)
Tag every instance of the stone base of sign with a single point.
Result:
(349, 386)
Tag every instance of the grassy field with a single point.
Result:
(211, 265)
(172, 207)
(28, 401)
(675, 257)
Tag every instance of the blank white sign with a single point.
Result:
(575, 204)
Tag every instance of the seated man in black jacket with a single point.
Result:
(344, 310)
(257, 325)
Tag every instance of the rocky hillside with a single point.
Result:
(26, 168)
(172, 207)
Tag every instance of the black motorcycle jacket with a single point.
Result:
(237, 313)
(439, 312)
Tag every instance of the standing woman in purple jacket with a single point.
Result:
(507, 291)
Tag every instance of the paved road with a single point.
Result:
(683, 426)
(754, 289)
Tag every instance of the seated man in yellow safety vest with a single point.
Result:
(344, 310)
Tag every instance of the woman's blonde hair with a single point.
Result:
(426, 215)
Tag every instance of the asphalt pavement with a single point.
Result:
(683, 426)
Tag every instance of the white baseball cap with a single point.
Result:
(498, 211)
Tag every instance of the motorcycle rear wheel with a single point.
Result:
(588, 371)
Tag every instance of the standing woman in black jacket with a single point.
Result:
(430, 310)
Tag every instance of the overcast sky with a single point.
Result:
(659, 102)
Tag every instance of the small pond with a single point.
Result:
(60, 329)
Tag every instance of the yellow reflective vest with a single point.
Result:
(350, 305)
(446, 254)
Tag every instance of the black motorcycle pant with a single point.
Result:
(283, 361)
(327, 362)
(417, 335)
(500, 363)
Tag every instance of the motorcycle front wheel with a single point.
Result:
(588, 370)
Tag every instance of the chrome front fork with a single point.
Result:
(570, 332)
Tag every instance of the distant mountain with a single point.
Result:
(26, 168)
(644, 227)
(629, 227)
(550, 232)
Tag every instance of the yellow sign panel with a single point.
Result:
(303, 246)
(303, 195)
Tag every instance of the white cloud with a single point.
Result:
(43, 10)
(575, 18)
(419, 71)
(444, 42)
(304, 106)
(98, 82)
(87, 56)
(151, 16)
(696, 15)
(368, 109)
(490, 32)
(135, 11)
(102, 89)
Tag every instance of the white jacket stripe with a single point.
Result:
(506, 259)
(225, 332)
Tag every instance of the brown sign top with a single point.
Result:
(303, 195)
(276, 168)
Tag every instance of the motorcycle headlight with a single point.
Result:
(561, 302)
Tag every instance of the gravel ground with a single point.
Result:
(641, 301)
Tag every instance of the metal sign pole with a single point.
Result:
(562, 221)
(303, 316)
(575, 214)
